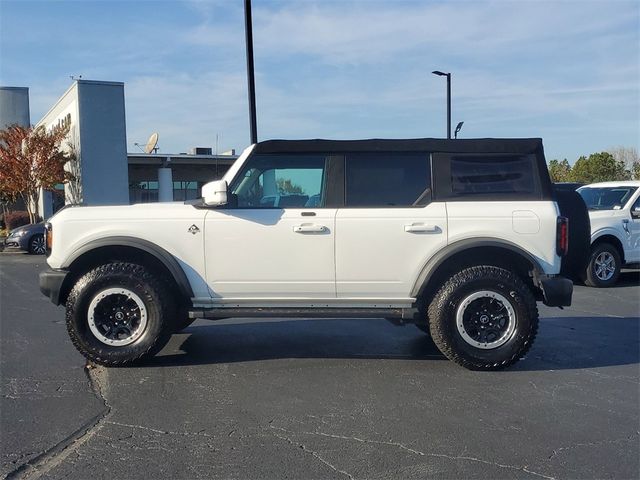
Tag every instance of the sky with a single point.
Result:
(566, 71)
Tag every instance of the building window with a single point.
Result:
(143, 192)
(185, 191)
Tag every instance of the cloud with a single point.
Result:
(566, 70)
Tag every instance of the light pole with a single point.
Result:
(248, 30)
(457, 130)
(448, 75)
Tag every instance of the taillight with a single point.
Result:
(562, 236)
(48, 235)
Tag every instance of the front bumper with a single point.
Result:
(20, 242)
(51, 283)
(557, 291)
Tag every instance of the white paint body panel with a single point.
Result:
(163, 224)
(257, 254)
(380, 251)
(513, 222)
(612, 222)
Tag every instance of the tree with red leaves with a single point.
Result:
(31, 160)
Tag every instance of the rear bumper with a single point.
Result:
(51, 282)
(557, 291)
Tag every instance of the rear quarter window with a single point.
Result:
(487, 177)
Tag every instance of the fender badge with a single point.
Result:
(193, 229)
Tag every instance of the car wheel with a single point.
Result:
(37, 245)
(118, 314)
(604, 266)
(483, 318)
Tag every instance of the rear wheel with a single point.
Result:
(37, 245)
(604, 266)
(119, 313)
(483, 318)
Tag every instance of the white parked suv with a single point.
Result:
(614, 211)
(460, 237)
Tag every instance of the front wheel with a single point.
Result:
(37, 245)
(604, 266)
(483, 318)
(119, 313)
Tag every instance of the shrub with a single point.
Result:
(16, 219)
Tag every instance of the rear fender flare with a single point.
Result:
(449, 251)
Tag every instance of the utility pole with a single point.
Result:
(251, 82)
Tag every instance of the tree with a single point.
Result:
(286, 186)
(635, 170)
(560, 171)
(627, 155)
(599, 167)
(31, 160)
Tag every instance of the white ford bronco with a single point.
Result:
(460, 237)
(614, 211)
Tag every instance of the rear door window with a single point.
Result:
(387, 179)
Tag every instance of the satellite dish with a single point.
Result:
(151, 144)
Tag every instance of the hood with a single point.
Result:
(111, 213)
(27, 228)
(598, 214)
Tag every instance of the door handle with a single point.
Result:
(421, 228)
(309, 228)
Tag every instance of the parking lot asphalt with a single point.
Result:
(280, 398)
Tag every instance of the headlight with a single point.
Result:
(19, 233)
(48, 235)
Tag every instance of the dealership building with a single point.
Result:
(103, 172)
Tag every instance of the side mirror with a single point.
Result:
(635, 212)
(215, 193)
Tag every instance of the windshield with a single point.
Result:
(606, 198)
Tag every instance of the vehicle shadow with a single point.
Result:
(628, 278)
(245, 340)
(562, 343)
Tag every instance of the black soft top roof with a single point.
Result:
(476, 145)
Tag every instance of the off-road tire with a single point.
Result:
(442, 317)
(590, 277)
(156, 299)
(34, 242)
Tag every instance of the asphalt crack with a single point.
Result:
(55, 455)
(313, 453)
(413, 451)
(200, 433)
(558, 451)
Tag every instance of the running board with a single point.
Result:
(406, 314)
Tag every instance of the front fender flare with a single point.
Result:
(164, 257)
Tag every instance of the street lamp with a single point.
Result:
(458, 128)
(448, 75)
